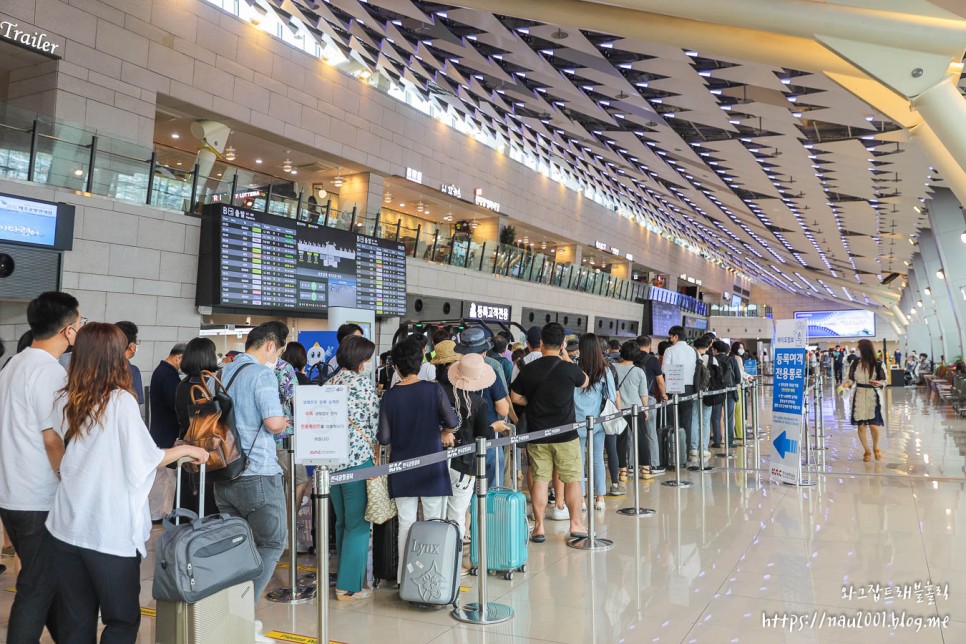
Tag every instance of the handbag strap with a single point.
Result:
(375, 452)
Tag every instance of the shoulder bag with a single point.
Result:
(379, 506)
(607, 407)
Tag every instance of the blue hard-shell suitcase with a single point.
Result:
(507, 533)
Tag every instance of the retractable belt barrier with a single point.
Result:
(481, 612)
(341, 478)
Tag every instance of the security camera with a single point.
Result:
(6, 265)
(213, 133)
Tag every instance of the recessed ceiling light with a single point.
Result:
(258, 160)
(78, 172)
(175, 135)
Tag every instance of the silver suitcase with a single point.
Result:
(227, 617)
(431, 564)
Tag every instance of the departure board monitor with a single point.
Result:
(272, 263)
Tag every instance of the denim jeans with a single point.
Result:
(260, 500)
(600, 488)
(494, 467)
(33, 604)
(705, 426)
(716, 423)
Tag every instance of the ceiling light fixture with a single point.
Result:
(419, 206)
(258, 161)
(287, 164)
(962, 237)
(338, 181)
(229, 153)
(175, 135)
(941, 274)
(928, 291)
(387, 198)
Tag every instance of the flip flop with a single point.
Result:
(578, 535)
(538, 538)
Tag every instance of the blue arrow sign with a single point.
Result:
(785, 445)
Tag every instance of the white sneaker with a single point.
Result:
(559, 514)
(707, 454)
(259, 638)
(583, 506)
(693, 453)
(599, 505)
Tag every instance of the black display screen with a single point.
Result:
(663, 317)
(280, 264)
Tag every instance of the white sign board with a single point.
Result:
(674, 378)
(788, 400)
(321, 425)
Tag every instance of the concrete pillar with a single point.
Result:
(939, 298)
(925, 278)
(918, 333)
(364, 192)
(948, 223)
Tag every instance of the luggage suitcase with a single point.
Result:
(385, 544)
(507, 530)
(385, 551)
(224, 617)
(666, 440)
(431, 564)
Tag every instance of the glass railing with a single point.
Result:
(747, 311)
(42, 150)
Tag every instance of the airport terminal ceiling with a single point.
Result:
(776, 171)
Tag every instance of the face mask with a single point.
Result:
(741, 352)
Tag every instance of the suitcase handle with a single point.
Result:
(178, 513)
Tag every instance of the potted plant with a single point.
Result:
(508, 235)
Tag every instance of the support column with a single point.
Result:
(926, 278)
(948, 223)
(364, 192)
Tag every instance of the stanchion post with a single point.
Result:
(481, 612)
(701, 466)
(637, 510)
(724, 432)
(321, 498)
(590, 542)
(755, 426)
(293, 593)
(677, 482)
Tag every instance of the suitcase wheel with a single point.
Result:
(522, 568)
(474, 571)
(508, 576)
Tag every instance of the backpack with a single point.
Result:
(212, 427)
(715, 382)
(702, 375)
(321, 372)
(727, 371)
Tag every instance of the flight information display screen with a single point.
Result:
(275, 263)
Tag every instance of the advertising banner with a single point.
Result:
(788, 400)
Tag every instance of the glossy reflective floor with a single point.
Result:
(734, 558)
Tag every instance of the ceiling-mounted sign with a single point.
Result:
(488, 312)
(29, 37)
(599, 245)
(414, 175)
(451, 190)
(629, 257)
(483, 202)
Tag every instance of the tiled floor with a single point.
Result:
(721, 557)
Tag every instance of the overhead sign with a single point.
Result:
(483, 202)
(788, 399)
(451, 190)
(321, 425)
(488, 312)
(414, 175)
(28, 37)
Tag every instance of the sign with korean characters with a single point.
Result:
(321, 425)
(788, 400)
(674, 378)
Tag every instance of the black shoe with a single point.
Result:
(3, 569)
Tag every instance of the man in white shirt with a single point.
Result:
(533, 346)
(30, 456)
(427, 370)
(681, 353)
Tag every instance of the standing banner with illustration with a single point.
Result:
(788, 400)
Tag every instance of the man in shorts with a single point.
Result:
(546, 388)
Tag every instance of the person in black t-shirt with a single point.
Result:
(546, 388)
(647, 443)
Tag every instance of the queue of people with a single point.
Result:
(430, 395)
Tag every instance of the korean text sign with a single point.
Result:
(321, 425)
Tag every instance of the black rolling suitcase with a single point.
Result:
(665, 440)
(385, 551)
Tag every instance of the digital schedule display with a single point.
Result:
(275, 263)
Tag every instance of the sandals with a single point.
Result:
(623, 475)
(878, 455)
(867, 457)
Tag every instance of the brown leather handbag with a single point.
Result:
(212, 427)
